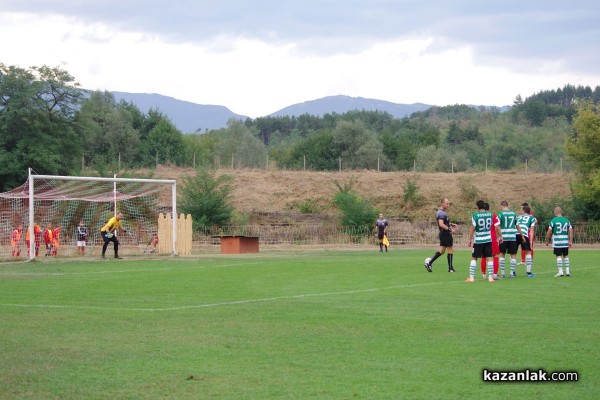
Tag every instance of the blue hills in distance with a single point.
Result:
(341, 104)
(191, 117)
(188, 117)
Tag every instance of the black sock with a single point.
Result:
(435, 257)
(450, 261)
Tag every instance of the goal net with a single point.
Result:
(59, 203)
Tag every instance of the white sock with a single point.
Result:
(528, 262)
(472, 268)
(559, 265)
(502, 261)
(513, 264)
(490, 267)
(568, 265)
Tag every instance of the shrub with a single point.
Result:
(356, 212)
(206, 197)
(411, 193)
(309, 206)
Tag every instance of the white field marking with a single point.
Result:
(245, 301)
(123, 271)
(274, 258)
(230, 303)
(203, 266)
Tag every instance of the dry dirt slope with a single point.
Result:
(276, 191)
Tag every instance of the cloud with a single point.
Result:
(525, 29)
(257, 57)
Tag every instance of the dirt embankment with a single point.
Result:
(276, 192)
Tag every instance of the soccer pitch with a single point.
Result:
(294, 325)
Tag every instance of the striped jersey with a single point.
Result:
(560, 231)
(526, 222)
(81, 233)
(508, 225)
(483, 222)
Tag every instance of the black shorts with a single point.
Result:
(509, 247)
(525, 245)
(107, 239)
(482, 250)
(561, 251)
(446, 239)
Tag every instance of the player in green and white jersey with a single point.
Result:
(510, 230)
(481, 225)
(561, 232)
(527, 222)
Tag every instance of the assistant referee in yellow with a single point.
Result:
(108, 233)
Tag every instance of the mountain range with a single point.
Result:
(190, 117)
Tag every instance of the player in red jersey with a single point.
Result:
(56, 240)
(37, 233)
(15, 241)
(48, 239)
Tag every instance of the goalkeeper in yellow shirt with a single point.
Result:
(108, 233)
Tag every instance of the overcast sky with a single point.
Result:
(256, 57)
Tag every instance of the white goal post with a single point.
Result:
(103, 197)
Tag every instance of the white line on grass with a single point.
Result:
(237, 302)
(298, 296)
(229, 303)
(123, 271)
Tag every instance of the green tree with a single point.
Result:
(433, 159)
(347, 138)
(137, 116)
(163, 144)
(199, 148)
(207, 198)
(37, 129)
(535, 112)
(406, 155)
(370, 155)
(238, 143)
(318, 150)
(358, 146)
(455, 135)
(150, 121)
(107, 131)
(584, 149)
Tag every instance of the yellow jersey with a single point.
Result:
(111, 225)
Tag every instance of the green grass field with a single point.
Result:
(294, 325)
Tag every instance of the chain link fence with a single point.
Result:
(404, 233)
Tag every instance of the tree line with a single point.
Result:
(48, 123)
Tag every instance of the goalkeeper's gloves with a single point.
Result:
(109, 235)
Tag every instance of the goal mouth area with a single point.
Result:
(49, 202)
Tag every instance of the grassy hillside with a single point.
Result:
(260, 191)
